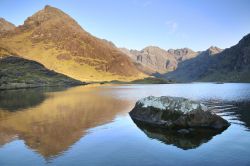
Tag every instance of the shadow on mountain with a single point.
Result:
(191, 69)
(230, 65)
(16, 100)
(192, 140)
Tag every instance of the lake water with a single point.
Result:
(90, 125)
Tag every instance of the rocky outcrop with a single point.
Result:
(16, 73)
(153, 59)
(6, 26)
(182, 54)
(176, 113)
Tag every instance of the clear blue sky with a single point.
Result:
(135, 24)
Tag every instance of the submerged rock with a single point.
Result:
(176, 113)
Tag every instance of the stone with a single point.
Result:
(176, 113)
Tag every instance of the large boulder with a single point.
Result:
(176, 113)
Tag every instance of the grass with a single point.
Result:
(17, 72)
(148, 80)
(46, 53)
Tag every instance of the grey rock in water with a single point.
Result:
(176, 113)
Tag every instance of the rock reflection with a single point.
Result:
(55, 124)
(192, 140)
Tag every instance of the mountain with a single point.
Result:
(16, 72)
(6, 26)
(215, 65)
(182, 54)
(232, 64)
(156, 60)
(55, 40)
(194, 68)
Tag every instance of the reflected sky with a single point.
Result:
(90, 125)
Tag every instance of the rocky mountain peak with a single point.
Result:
(182, 54)
(182, 51)
(213, 50)
(154, 51)
(48, 13)
(6, 26)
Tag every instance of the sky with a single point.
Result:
(135, 24)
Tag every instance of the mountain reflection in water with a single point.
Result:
(55, 121)
(90, 125)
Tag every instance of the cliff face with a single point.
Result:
(54, 39)
(232, 64)
(182, 54)
(156, 60)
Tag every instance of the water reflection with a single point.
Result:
(243, 113)
(192, 140)
(55, 124)
(60, 127)
(236, 111)
(16, 100)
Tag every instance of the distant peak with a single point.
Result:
(152, 48)
(47, 13)
(180, 51)
(47, 7)
(214, 50)
(213, 47)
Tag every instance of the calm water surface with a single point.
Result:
(91, 126)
